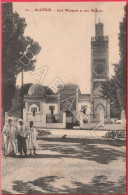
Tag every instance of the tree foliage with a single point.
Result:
(14, 45)
(48, 91)
(115, 87)
(16, 105)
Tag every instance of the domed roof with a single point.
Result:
(36, 90)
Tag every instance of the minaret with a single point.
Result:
(99, 72)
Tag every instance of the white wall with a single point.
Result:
(49, 125)
(40, 116)
(85, 103)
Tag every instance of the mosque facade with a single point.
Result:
(47, 110)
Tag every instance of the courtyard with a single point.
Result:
(68, 166)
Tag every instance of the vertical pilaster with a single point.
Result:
(77, 96)
(58, 100)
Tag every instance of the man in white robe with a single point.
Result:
(9, 137)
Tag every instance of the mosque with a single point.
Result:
(51, 110)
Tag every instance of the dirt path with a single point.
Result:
(67, 167)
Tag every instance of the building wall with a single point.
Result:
(40, 116)
(42, 123)
(85, 103)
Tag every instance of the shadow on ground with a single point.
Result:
(43, 183)
(93, 150)
(98, 185)
(103, 153)
(84, 150)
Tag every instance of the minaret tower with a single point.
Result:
(99, 72)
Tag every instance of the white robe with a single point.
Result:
(9, 138)
(32, 137)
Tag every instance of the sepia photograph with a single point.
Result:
(63, 110)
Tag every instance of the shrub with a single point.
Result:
(115, 135)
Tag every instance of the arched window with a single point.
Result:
(34, 108)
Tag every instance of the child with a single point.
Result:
(32, 137)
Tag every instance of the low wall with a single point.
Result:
(50, 125)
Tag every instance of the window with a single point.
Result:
(52, 108)
(33, 110)
(84, 108)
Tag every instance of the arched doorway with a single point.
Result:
(98, 109)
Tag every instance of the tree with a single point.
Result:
(121, 68)
(15, 109)
(14, 46)
(115, 88)
(109, 91)
(48, 91)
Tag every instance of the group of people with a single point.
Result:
(19, 139)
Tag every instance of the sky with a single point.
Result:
(65, 38)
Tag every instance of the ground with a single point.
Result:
(68, 166)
